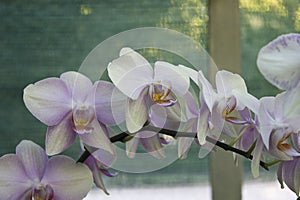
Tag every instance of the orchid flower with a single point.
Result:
(98, 169)
(218, 104)
(279, 61)
(280, 113)
(29, 174)
(68, 107)
(133, 75)
(288, 173)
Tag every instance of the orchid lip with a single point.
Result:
(160, 95)
(42, 193)
(82, 117)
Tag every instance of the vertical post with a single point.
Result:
(224, 48)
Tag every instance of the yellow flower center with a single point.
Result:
(82, 117)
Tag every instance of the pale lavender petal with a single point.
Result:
(291, 174)
(202, 124)
(69, 180)
(227, 81)
(110, 103)
(256, 157)
(209, 94)
(296, 141)
(98, 137)
(280, 174)
(279, 61)
(106, 158)
(151, 143)
(33, 158)
(60, 137)
(158, 115)
(179, 81)
(246, 99)
(48, 100)
(265, 118)
(193, 74)
(78, 84)
(191, 104)
(292, 103)
(184, 145)
(136, 113)
(91, 163)
(131, 147)
(130, 73)
(14, 181)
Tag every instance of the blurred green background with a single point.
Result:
(40, 39)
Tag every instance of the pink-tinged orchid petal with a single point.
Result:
(69, 180)
(279, 61)
(193, 74)
(192, 107)
(130, 73)
(14, 181)
(48, 100)
(256, 157)
(60, 137)
(279, 148)
(151, 143)
(98, 137)
(136, 113)
(131, 147)
(33, 158)
(227, 81)
(110, 103)
(179, 82)
(79, 85)
(209, 94)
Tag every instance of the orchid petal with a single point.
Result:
(151, 143)
(60, 137)
(291, 174)
(265, 118)
(14, 181)
(246, 99)
(48, 100)
(110, 103)
(98, 137)
(130, 73)
(179, 81)
(78, 84)
(131, 147)
(256, 157)
(69, 180)
(209, 94)
(106, 158)
(202, 125)
(227, 81)
(279, 61)
(191, 105)
(292, 106)
(136, 113)
(34, 159)
(158, 115)
(91, 163)
(280, 174)
(184, 144)
(193, 74)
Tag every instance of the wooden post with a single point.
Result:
(224, 48)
